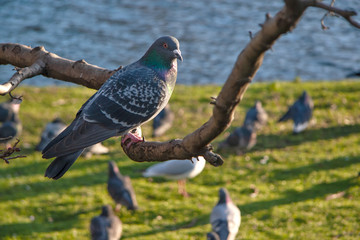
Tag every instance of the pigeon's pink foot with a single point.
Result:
(134, 136)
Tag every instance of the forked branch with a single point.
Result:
(198, 142)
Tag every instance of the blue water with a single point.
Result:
(109, 33)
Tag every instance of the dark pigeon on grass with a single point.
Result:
(256, 117)
(9, 110)
(132, 96)
(106, 226)
(300, 112)
(120, 189)
(240, 140)
(163, 121)
(10, 124)
(225, 218)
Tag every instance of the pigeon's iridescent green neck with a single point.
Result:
(155, 61)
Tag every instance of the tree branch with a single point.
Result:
(36, 61)
(346, 14)
(198, 142)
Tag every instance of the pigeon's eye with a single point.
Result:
(165, 45)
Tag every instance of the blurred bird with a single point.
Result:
(10, 124)
(177, 170)
(51, 130)
(54, 128)
(133, 95)
(241, 140)
(163, 121)
(256, 117)
(120, 189)
(106, 226)
(300, 112)
(225, 218)
(9, 110)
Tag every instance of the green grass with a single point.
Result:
(293, 186)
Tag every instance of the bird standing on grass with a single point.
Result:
(132, 96)
(177, 170)
(241, 140)
(10, 124)
(106, 226)
(256, 117)
(300, 112)
(120, 189)
(225, 218)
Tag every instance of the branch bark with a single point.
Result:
(36, 61)
(39, 61)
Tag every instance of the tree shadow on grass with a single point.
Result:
(340, 162)
(275, 141)
(41, 224)
(21, 191)
(293, 196)
(199, 220)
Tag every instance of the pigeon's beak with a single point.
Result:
(177, 54)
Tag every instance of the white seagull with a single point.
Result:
(177, 170)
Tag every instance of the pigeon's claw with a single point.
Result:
(131, 138)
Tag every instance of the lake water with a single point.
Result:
(109, 33)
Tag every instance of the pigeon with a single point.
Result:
(163, 121)
(132, 96)
(120, 189)
(241, 139)
(106, 226)
(225, 218)
(9, 110)
(51, 130)
(300, 112)
(256, 117)
(54, 128)
(10, 124)
(177, 170)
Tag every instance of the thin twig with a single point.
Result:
(346, 14)
(6, 155)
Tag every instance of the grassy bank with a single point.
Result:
(294, 185)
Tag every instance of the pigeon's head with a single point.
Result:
(113, 169)
(163, 52)
(106, 211)
(258, 104)
(224, 196)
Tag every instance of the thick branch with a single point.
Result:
(53, 66)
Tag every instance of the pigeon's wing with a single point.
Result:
(118, 192)
(287, 115)
(98, 229)
(128, 100)
(8, 129)
(251, 116)
(4, 112)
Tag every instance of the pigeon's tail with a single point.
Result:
(61, 164)
(286, 117)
